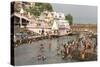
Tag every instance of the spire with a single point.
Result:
(55, 26)
(21, 11)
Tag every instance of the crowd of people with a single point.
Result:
(78, 48)
(81, 48)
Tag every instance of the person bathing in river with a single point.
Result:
(64, 51)
(67, 51)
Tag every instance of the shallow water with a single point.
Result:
(26, 54)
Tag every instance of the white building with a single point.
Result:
(61, 27)
(58, 26)
(49, 16)
(59, 16)
(64, 27)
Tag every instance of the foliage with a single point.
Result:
(34, 9)
(69, 17)
(38, 8)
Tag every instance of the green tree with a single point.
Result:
(69, 17)
(34, 9)
(38, 8)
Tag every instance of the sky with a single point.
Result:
(81, 13)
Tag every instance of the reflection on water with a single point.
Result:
(28, 54)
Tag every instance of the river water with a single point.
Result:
(26, 54)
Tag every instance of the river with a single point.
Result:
(26, 54)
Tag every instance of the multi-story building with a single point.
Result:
(51, 22)
(49, 16)
(58, 23)
(61, 27)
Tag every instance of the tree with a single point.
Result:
(38, 8)
(34, 9)
(69, 17)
